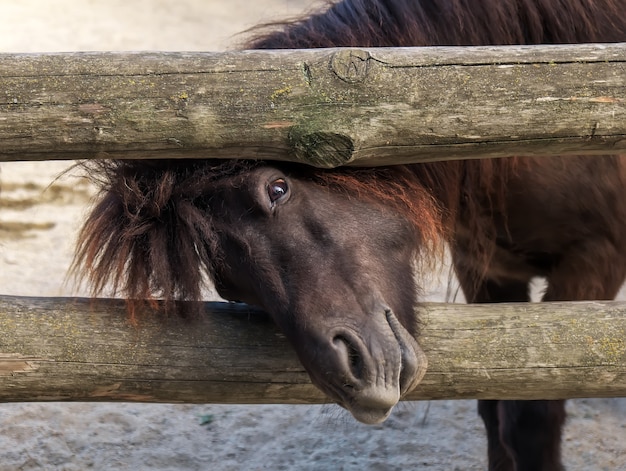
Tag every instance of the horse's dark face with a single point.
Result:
(336, 275)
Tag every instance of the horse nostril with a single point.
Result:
(353, 359)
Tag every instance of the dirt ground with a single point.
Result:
(39, 218)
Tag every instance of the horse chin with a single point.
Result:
(376, 413)
(373, 402)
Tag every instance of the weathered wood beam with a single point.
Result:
(76, 349)
(325, 107)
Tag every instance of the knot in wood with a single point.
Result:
(321, 149)
(350, 65)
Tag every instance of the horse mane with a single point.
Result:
(398, 23)
(150, 236)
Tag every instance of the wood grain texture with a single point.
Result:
(65, 349)
(324, 107)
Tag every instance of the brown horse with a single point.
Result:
(331, 254)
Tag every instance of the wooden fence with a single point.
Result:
(325, 108)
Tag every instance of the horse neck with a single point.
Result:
(463, 188)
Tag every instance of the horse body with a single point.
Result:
(331, 254)
(563, 219)
(559, 218)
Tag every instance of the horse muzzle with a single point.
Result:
(369, 371)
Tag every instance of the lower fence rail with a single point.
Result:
(71, 349)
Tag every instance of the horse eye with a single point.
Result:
(277, 189)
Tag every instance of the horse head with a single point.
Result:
(329, 255)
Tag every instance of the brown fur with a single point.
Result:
(507, 220)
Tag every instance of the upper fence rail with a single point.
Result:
(324, 107)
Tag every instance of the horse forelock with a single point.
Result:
(149, 235)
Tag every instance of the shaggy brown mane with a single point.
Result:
(397, 23)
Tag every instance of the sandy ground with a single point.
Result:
(39, 218)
